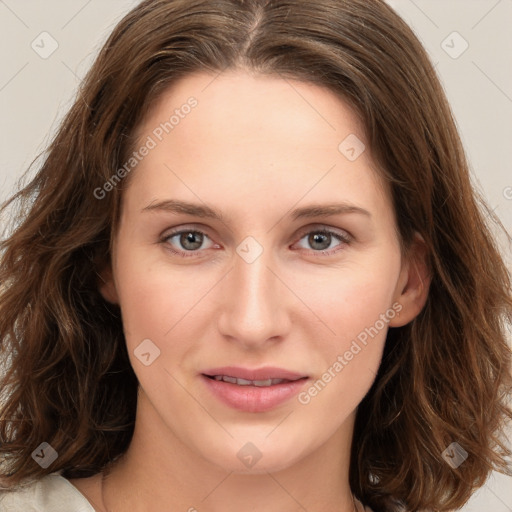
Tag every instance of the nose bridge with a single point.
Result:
(254, 308)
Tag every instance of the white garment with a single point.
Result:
(51, 493)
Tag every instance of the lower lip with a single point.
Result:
(253, 398)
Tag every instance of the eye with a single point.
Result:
(186, 241)
(324, 240)
(189, 242)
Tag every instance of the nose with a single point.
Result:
(255, 305)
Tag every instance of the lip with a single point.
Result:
(252, 398)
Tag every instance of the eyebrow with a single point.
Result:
(202, 210)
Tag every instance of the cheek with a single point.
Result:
(355, 305)
(155, 297)
(350, 298)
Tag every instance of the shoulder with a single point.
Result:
(52, 493)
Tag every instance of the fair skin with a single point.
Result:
(255, 148)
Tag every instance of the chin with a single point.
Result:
(258, 457)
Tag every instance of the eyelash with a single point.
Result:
(344, 239)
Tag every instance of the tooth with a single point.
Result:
(243, 382)
(262, 383)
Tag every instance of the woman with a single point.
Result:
(252, 274)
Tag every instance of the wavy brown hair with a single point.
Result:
(444, 378)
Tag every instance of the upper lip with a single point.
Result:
(268, 372)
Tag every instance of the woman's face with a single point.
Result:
(301, 271)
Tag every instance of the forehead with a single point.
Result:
(248, 106)
(253, 136)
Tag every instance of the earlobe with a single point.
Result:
(413, 284)
(106, 284)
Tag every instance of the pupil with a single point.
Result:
(317, 238)
(187, 240)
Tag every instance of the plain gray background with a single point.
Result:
(469, 41)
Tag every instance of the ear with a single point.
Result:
(106, 284)
(413, 283)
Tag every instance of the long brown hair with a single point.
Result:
(444, 377)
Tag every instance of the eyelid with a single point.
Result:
(186, 227)
(314, 228)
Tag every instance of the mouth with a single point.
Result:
(253, 390)
(244, 382)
